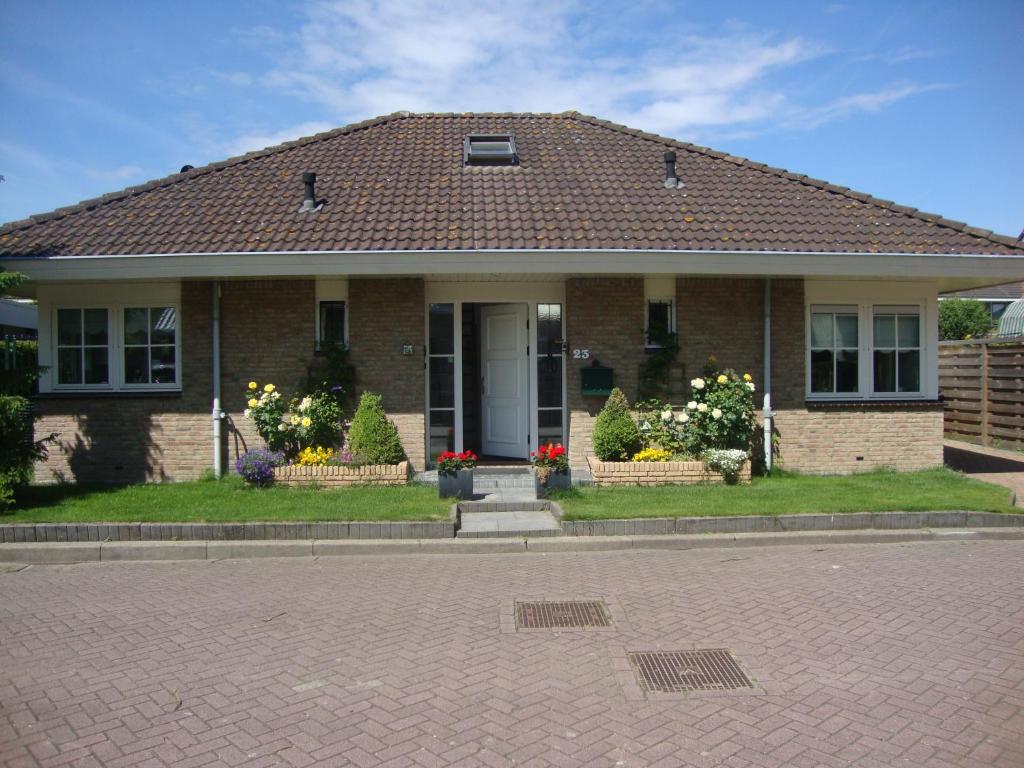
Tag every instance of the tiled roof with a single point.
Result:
(1007, 291)
(398, 183)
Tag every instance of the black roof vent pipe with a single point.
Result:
(309, 193)
(185, 168)
(671, 180)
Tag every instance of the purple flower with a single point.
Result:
(337, 388)
(257, 467)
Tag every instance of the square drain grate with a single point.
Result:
(575, 614)
(681, 671)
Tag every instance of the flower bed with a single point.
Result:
(337, 476)
(659, 473)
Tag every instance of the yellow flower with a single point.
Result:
(268, 388)
(307, 421)
(295, 421)
(722, 378)
(747, 377)
(253, 402)
(252, 385)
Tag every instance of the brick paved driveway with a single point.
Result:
(877, 655)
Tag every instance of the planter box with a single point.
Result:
(557, 481)
(336, 477)
(458, 484)
(658, 472)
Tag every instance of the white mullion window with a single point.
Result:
(834, 351)
(150, 352)
(896, 350)
(82, 346)
(441, 378)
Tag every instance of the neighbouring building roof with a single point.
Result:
(398, 183)
(1005, 292)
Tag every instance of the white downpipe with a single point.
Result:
(217, 416)
(768, 373)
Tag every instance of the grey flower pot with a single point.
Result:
(556, 481)
(458, 484)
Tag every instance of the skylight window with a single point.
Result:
(489, 149)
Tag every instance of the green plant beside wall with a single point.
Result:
(616, 435)
(18, 448)
(331, 372)
(372, 437)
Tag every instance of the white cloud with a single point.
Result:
(122, 173)
(361, 58)
(254, 141)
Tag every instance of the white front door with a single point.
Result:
(504, 365)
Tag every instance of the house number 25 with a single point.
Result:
(581, 354)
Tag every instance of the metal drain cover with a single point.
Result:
(680, 671)
(562, 615)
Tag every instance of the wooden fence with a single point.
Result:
(982, 383)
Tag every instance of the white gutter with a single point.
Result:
(767, 384)
(217, 415)
(958, 270)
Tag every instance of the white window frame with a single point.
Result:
(110, 346)
(114, 298)
(887, 310)
(866, 296)
(834, 310)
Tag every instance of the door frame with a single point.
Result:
(530, 293)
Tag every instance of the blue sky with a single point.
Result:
(917, 102)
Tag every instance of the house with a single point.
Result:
(18, 319)
(996, 298)
(478, 265)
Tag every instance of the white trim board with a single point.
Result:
(954, 271)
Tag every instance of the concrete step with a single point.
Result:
(505, 524)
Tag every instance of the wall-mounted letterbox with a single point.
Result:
(597, 379)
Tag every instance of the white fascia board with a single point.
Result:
(954, 270)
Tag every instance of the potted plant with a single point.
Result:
(551, 469)
(455, 474)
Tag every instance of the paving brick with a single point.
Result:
(869, 655)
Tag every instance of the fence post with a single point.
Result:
(985, 439)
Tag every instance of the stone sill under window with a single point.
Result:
(873, 403)
(108, 395)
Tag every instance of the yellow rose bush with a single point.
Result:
(293, 426)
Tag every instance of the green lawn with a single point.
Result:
(222, 501)
(933, 489)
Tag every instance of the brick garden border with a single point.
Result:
(343, 476)
(605, 473)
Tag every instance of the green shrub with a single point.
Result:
(616, 435)
(372, 438)
(18, 451)
(963, 319)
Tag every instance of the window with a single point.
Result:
(550, 363)
(441, 377)
(834, 350)
(83, 347)
(119, 347)
(489, 149)
(332, 323)
(150, 345)
(660, 321)
(896, 340)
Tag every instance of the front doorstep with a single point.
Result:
(340, 476)
(658, 473)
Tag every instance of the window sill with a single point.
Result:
(107, 394)
(876, 402)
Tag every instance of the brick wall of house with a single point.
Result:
(604, 315)
(384, 315)
(840, 440)
(723, 317)
(137, 438)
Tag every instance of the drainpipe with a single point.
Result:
(217, 415)
(768, 373)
